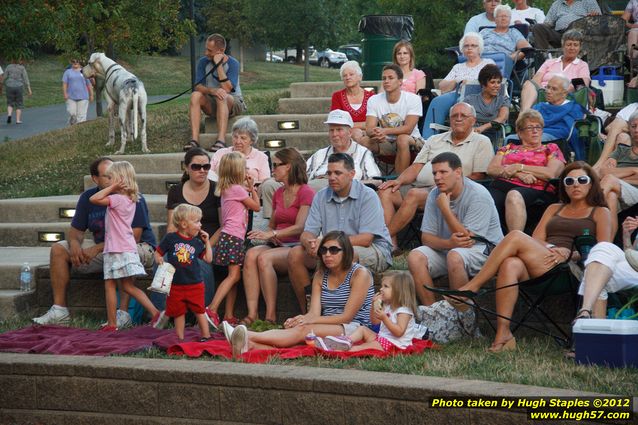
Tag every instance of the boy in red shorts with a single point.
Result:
(182, 249)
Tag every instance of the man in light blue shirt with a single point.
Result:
(485, 19)
(347, 205)
(455, 210)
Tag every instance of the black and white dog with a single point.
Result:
(126, 99)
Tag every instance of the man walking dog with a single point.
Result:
(218, 94)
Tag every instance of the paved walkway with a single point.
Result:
(45, 118)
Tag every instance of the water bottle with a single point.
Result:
(585, 248)
(25, 277)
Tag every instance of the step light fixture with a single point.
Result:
(66, 212)
(50, 236)
(275, 143)
(170, 183)
(288, 125)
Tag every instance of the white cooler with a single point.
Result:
(612, 85)
(606, 342)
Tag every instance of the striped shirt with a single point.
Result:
(333, 301)
(561, 14)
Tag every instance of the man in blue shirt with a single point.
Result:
(85, 256)
(347, 205)
(485, 19)
(218, 94)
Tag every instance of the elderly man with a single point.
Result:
(485, 19)
(558, 112)
(346, 205)
(217, 91)
(410, 190)
(85, 256)
(391, 119)
(561, 13)
(456, 210)
(620, 175)
(340, 126)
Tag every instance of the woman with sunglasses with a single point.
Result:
(521, 172)
(519, 257)
(291, 204)
(197, 190)
(245, 135)
(342, 292)
(77, 92)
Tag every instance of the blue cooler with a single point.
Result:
(606, 342)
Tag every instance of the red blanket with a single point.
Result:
(222, 349)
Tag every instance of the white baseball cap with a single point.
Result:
(339, 117)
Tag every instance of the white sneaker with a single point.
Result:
(55, 316)
(320, 344)
(123, 319)
(160, 320)
(228, 330)
(239, 341)
(338, 343)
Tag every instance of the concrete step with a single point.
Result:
(303, 141)
(324, 89)
(304, 105)
(154, 163)
(270, 123)
(47, 209)
(157, 184)
(11, 260)
(14, 302)
(26, 234)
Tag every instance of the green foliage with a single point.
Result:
(22, 28)
(229, 18)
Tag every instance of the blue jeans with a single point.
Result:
(159, 300)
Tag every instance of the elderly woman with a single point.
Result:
(607, 270)
(342, 292)
(291, 204)
(521, 172)
(245, 134)
(77, 92)
(403, 55)
(504, 39)
(471, 45)
(568, 64)
(353, 98)
(492, 104)
(519, 257)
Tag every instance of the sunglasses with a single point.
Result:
(333, 250)
(277, 164)
(197, 167)
(569, 181)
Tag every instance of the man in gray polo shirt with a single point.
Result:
(561, 13)
(456, 210)
(346, 205)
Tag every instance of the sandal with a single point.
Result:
(190, 145)
(219, 144)
(247, 321)
(499, 347)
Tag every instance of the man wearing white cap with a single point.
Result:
(340, 132)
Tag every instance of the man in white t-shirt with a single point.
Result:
(391, 120)
(522, 11)
(485, 19)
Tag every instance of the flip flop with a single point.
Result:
(219, 144)
(190, 145)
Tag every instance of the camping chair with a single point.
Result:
(532, 294)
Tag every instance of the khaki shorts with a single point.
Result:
(405, 188)
(96, 265)
(628, 195)
(473, 258)
(390, 148)
(371, 257)
(239, 106)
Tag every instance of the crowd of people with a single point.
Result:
(333, 224)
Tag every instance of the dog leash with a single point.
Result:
(191, 88)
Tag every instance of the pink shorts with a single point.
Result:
(385, 343)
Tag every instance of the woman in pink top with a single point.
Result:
(291, 204)
(228, 241)
(245, 134)
(403, 55)
(568, 64)
(121, 260)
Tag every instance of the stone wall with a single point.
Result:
(41, 389)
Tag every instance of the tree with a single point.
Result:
(25, 27)
(231, 19)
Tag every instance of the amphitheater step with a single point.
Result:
(300, 140)
(11, 260)
(26, 234)
(157, 184)
(47, 209)
(304, 105)
(154, 163)
(270, 123)
(325, 89)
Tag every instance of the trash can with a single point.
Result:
(380, 34)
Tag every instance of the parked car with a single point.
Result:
(352, 51)
(271, 57)
(290, 55)
(327, 58)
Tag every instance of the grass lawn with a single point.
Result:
(538, 361)
(69, 151)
